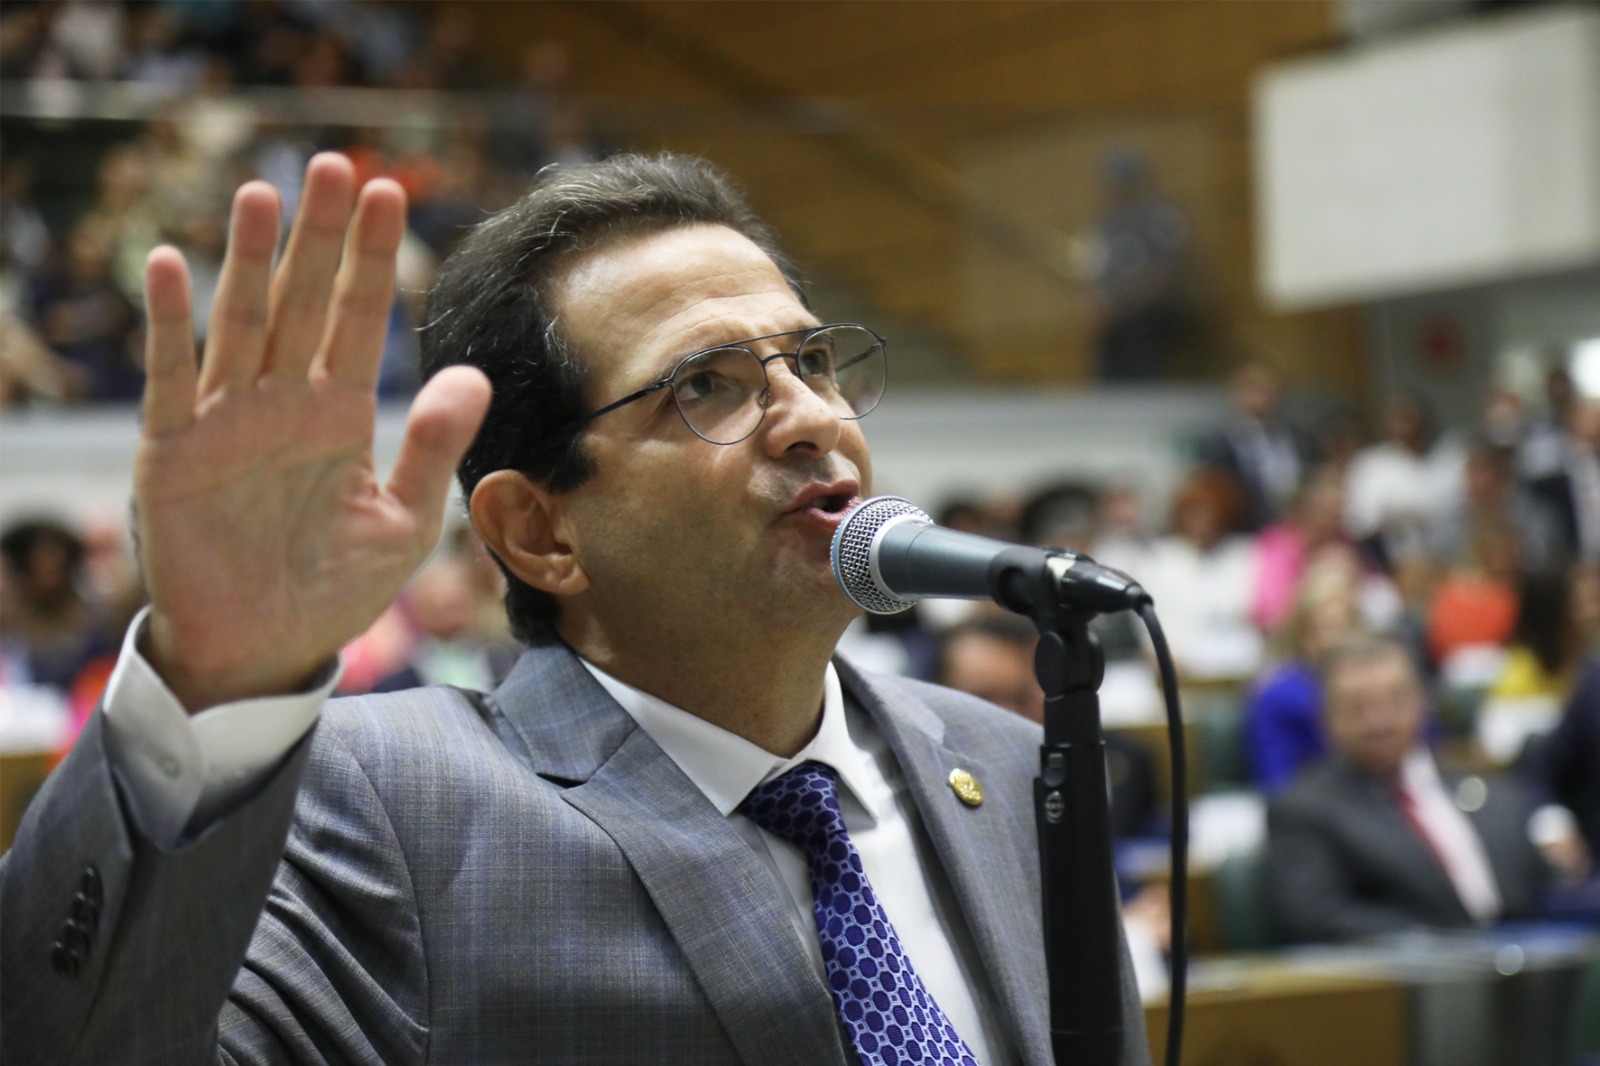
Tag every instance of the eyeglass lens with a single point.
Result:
(719, 391)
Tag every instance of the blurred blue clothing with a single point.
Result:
(1283, 726)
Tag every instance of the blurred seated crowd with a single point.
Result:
(1391, 652)
(1390, 644)
(72, 243)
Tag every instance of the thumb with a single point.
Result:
(444, 418)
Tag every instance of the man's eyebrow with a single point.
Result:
(735, 342)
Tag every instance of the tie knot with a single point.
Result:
(802, 806)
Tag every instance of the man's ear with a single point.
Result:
(520, 521)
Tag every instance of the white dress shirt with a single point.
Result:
(181, 770)
(1459, 847)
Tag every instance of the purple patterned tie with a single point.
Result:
(890, 1016)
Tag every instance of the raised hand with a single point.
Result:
(266, 538)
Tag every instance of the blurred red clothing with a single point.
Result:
(1470, 609)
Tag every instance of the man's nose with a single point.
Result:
(796, 415)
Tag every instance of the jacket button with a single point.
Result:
(85, 913)
(63, 961)
(73, 937)
(90, 883)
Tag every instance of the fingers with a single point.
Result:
(169, 393)
(297, 306)
(363, 291)
(327, 304)
(236, 340)
(444, 418)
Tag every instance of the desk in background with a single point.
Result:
(1254, 1012)
(1501, 997)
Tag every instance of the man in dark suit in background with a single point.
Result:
(1375, 840)
(1263, 453)
(680, 831)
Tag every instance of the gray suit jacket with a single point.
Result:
(444, 877)
(1343, 861)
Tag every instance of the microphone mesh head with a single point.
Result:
(852, 553)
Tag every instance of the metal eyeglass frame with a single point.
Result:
(763, 398)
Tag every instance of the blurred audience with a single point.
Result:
(444, 629)
(1483, 559)
(991, 656)
(1375, 839)
(70, 303)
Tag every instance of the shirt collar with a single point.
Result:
(726, 766)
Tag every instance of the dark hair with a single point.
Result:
(1007, 629)
(1544, 619)
(21, 539)
(1068, 505)
(490, 306)
(1361, 647)
(1208, 485)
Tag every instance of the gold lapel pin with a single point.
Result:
(966, 787)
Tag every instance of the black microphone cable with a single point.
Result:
(1178, 983)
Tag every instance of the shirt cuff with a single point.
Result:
(175, 766)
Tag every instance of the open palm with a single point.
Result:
(266, 538)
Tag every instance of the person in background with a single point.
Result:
(51, 626)
(1565, 766)
(1284, 550)
(1283, 714)
(442, 605)
(1121, 540)
(1264, 455)
(1545, 709)
(1138, 265)
(1491, 494)
(1541, 442)
(84, 317)
(1570, 487)
(1202, 574)
(991, 656)
(1394, 487)
(1375, 839)
(1066, 514)
(1558, 618)
(1473, 609)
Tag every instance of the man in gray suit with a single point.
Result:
(1374, 840)
(583, 866)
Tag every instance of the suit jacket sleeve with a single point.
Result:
(228, 947)
(160, 950)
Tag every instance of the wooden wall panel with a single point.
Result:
(1015, 98)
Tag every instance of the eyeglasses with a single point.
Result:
(723, 392)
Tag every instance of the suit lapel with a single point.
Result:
(978, 849)
(718, 900)
(1409, 855)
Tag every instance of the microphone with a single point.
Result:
(888, 554)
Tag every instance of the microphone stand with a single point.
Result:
(1072, 808)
